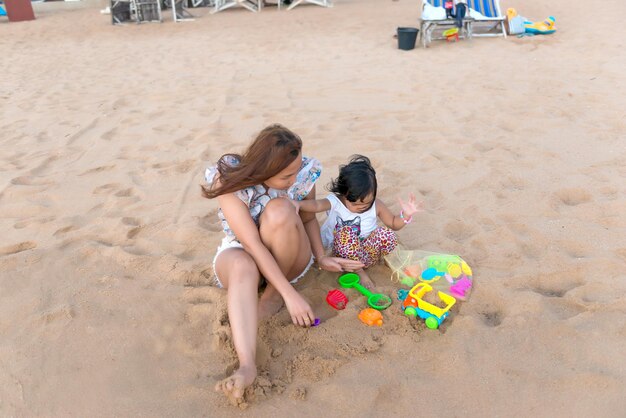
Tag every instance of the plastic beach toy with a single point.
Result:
(413, 304)
(337, 299)
(377, 301)
(371, 317)
(451, 34)
(446, 272)
(431, 273)
(541, 28)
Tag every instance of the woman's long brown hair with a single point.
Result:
(274, 148)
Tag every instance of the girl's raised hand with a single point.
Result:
(411, 207)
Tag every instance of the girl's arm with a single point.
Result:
(389, 219)
(238, 217)
(394, 222)
(312, 227)
(312, 205)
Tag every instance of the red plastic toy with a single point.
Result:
(337, 299)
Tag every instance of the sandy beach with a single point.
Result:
(517, 146)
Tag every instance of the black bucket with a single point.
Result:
(407, 38)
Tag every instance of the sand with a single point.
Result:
(516, 146)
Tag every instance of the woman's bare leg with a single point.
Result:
(239, 274)
(283, 234)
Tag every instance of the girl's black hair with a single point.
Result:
(356, 180)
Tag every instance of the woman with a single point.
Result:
(266, 240)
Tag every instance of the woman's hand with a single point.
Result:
(300, 310)
(338, 264)
(410, 207)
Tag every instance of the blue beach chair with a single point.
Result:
(2, 12)
(487, 16)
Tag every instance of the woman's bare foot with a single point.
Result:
(270, 302)
(365, 280)
(235, 385)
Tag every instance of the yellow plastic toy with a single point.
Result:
(451, 34)
(520, 25)
(541, 28)
(414, 305)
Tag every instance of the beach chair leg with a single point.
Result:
(294, 4)
(221, 5)
(468, 30)
(180, 13)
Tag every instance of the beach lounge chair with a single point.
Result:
(138, 11)
(179, 11)
(120, 11)
(146, 10)
(488, 19)
(323, 3)
(252, 5)
(483, 18)
(434, 18)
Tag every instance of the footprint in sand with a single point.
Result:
(28, 222)
(575, 249)
(200, 295)
(513, 183)
(564, 309)
(197, 279)
(554, 285)
(458, 231)
(110, 134)
(17, 248)
(97, 169)
(134, 232)
(63, 312)
(484, 147)
(185, 140)
(64, 230)
(573, 196)
(210, 222)
(131, 221)
(492, 317)
(29, 181)
(125, 192)
(106, 188)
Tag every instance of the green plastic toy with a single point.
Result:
(377, 301)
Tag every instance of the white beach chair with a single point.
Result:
(323, 3)
(252, 5)
(483, 18)
(433, 18)
(180, 13)
(137, 11)
(120, 11)
(146, 10)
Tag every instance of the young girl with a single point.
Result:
(353, 210)
(265, 240)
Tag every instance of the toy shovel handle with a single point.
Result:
(362, 289)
